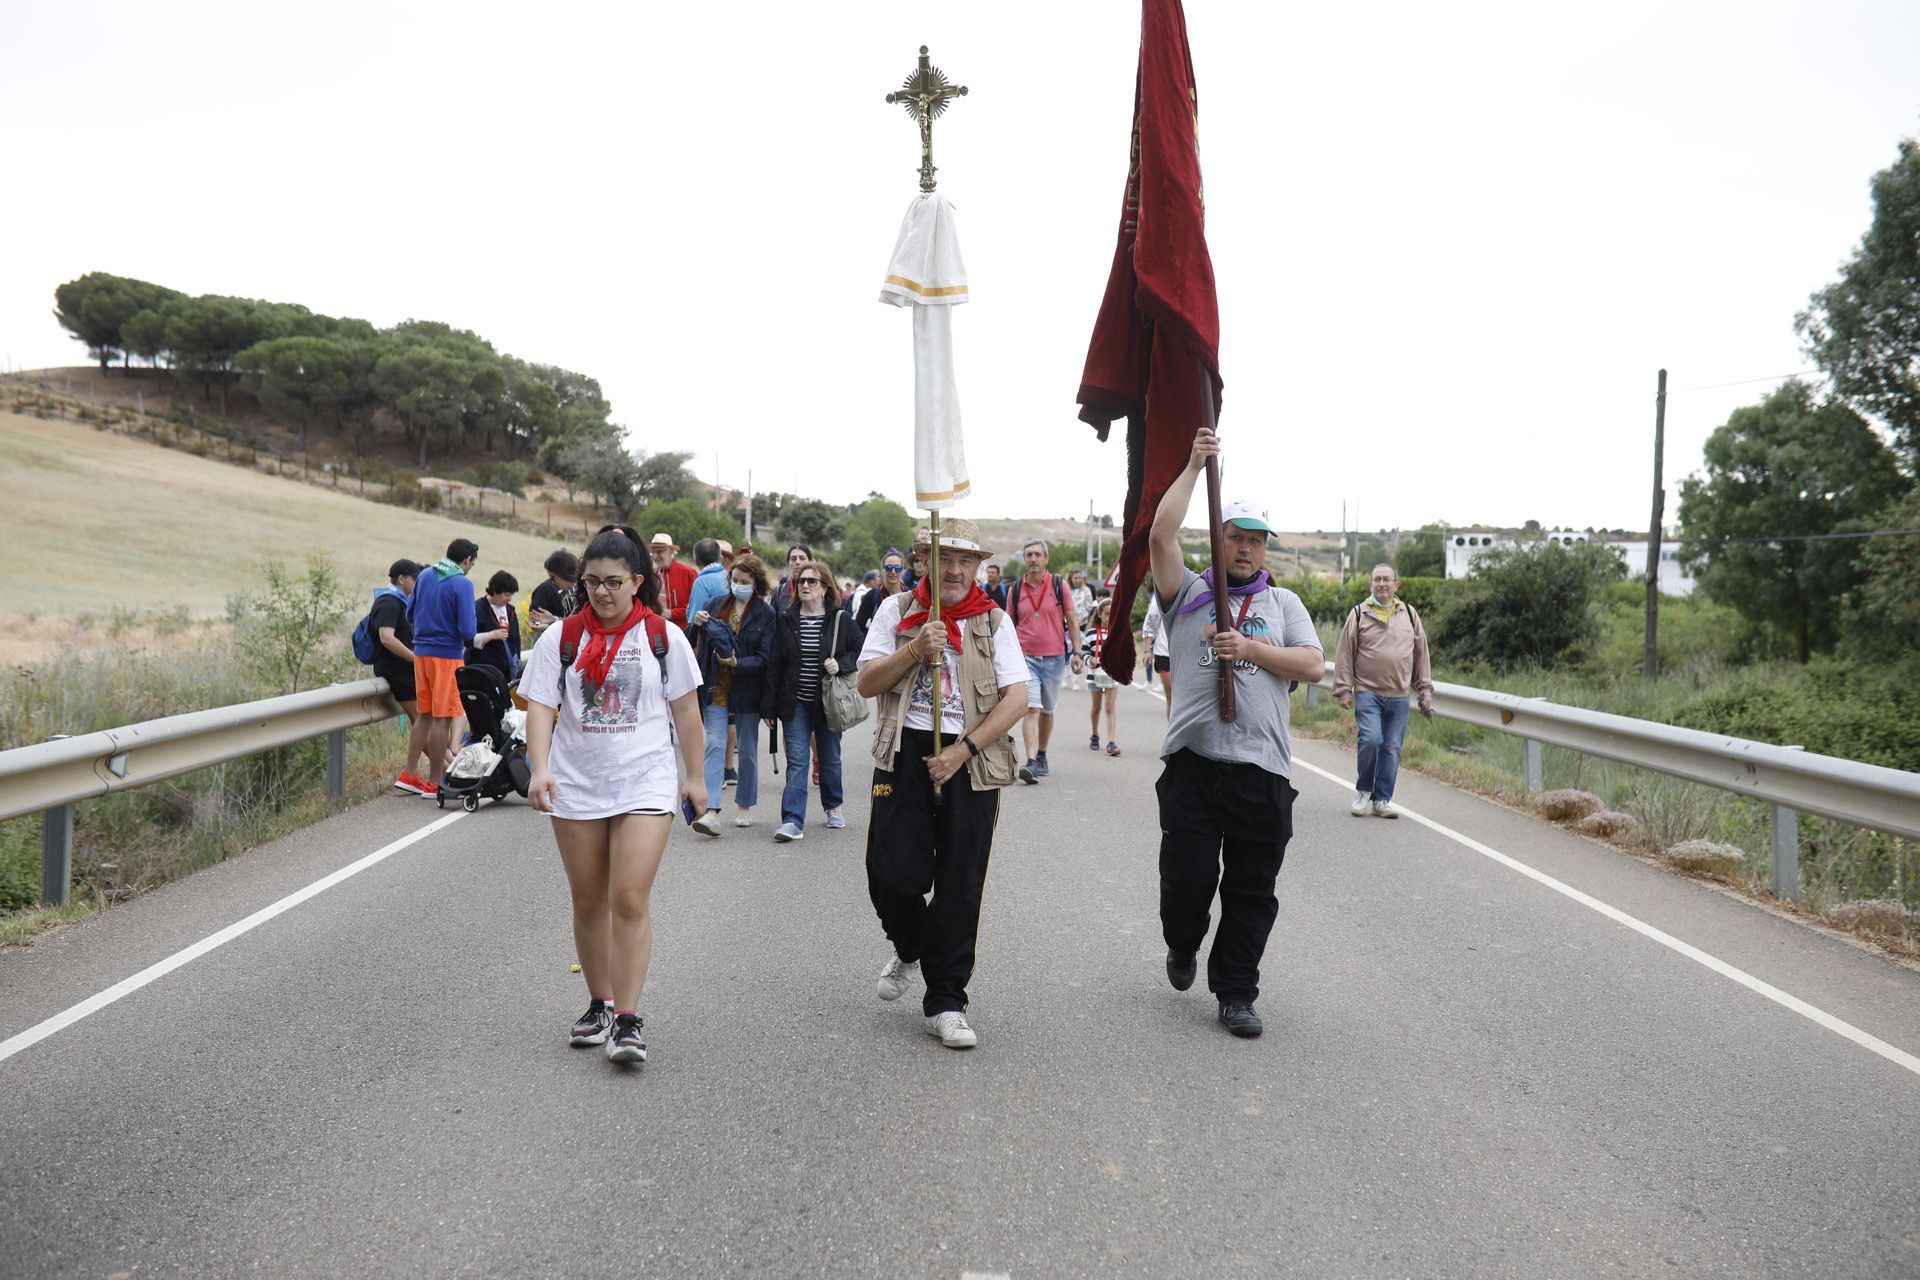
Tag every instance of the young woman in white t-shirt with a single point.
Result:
(601, 753)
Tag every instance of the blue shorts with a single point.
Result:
(1043, 682)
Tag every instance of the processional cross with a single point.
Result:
(925, 95)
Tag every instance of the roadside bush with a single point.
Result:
(1533, 604)
(1834, 707)
(1329, 600)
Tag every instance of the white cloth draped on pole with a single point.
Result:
(926, 273)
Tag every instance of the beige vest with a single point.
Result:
(980, 693)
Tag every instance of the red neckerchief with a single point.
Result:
(975, 603)
(603, 641)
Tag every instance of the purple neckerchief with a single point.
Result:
(1202, 599)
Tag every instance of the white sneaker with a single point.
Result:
(1385, 809)
(745, 819)
(897, 977)
(952, 1029)
(706, 825)
(1362, 804)
(786, 832)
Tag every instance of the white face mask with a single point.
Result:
(743, 591)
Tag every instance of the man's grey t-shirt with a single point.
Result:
(1258, 734)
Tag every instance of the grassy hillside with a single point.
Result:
(98, 523)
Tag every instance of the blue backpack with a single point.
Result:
(366, 645)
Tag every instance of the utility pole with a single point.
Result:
(1654, 531)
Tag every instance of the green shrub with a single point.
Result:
(1537, 604)
(1858, 711)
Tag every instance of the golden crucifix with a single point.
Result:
(925, 95)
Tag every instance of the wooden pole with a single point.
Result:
(1651, 666)
(1217, 547)
(933, 621)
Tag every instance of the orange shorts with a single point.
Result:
(434, 685)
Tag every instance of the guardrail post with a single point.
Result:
(56, 850)
(1786, 850)
(1534, 782)
(1313, 695)
(336, 764)
(56, 855)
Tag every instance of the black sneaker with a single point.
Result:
(593, 1026)
(626, 1045)
(729, 778)
(1240, 1019)
(1027, 774)
(1181, 969)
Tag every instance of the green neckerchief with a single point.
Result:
(447, 569)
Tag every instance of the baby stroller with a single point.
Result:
(494, 761)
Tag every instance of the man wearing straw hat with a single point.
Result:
(937, 773)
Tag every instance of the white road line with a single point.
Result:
(1899, 1057)
(93, 1004)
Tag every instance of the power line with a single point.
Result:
(1803, 537)
(1745, 382)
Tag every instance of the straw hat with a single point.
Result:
(955, 534)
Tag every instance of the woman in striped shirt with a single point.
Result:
(819, 641)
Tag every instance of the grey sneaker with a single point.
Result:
(788, 831)
(952, 1029)
(1040, 765)
(626, 1044)
(897, 977)
(1385, 809)
(1027, 774)
(593, 1026)
(836, 819)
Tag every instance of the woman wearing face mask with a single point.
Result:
(893, 568)
(737, 666)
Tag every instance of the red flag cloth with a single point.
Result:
(1159, 324)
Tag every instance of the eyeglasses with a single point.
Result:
(606, 584)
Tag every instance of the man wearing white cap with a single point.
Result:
(931, 824)
(1226, 802)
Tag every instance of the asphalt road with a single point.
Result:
(1465, 1073)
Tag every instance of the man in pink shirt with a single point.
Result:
(1043, 614)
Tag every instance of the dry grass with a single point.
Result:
(99, 526)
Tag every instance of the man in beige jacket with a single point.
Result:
(1380, 661)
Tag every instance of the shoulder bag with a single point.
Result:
(839, 695)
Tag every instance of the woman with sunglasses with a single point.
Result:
(893, 569)
(818, 641)
(602, 765)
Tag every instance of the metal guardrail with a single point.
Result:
(50, 777)
(1791, 780)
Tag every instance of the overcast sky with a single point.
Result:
(1453, 243)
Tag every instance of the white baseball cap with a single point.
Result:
(1246, 515)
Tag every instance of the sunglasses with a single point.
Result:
(892, 568)
(809, 582)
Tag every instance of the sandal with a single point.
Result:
(1113, 748)
(1093, 743)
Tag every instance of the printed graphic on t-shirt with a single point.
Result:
(616, 707)
(951, 706)
(1253, 628)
